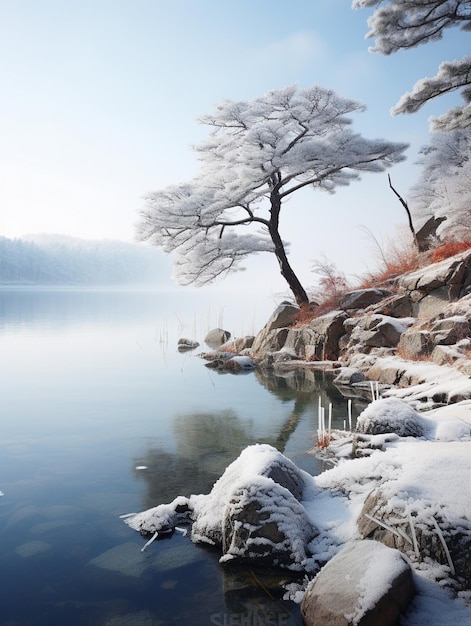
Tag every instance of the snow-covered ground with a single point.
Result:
(420, 463)
(427, 478)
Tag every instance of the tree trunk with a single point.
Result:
(286, 270)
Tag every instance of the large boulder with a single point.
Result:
(273, 335)
(238, 344)
(413, 529)
(328, 329)
(432, 287)
(284, 315)
(366, 584)
(256, 529)
(316, 341)
(397, 305)
(450, 330)
(414, 344)
(253, 512)
(298, 339)
(269, 341)
(375, 331)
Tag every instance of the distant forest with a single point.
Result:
(60, 260)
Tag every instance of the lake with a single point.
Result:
(102, 416)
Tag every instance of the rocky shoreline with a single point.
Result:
(402, 478)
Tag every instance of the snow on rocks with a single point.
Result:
(264, 523)
(390, 415)
(421, 383)
(413, 493)
(365, 583)
(229, 362)
(253, 512)
(410, 494)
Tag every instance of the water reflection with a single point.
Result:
(309, 387)
(206, 442)
(88, 395)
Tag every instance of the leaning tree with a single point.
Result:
(403, 24)
(257, 155)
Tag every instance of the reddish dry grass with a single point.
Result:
(405, 261)
(305, 315)
(449, 249)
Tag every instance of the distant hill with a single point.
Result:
(62, 260)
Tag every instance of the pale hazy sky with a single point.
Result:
(100, 98)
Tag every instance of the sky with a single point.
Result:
(100, 99)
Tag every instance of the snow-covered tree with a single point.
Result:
(258, 154)
(444, 190)
(403, 24)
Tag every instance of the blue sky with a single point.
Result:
(100, 100)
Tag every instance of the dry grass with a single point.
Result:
(400, 259)
(449, 249)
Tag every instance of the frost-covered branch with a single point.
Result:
(403, 24)
(256, 154)
(451, 76)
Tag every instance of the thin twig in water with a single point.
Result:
(152, 539)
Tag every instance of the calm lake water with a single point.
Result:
(92, 387)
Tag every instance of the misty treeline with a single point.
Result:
(58, 260)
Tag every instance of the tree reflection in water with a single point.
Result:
(207, 442)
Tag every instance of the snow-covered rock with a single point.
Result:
(265, 524)
(349, 376)
(415, 497)
(253, 511)
(422, 383)
(390, 415)
(366, 583)
(375, 331)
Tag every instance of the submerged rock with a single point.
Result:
(187, 344)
